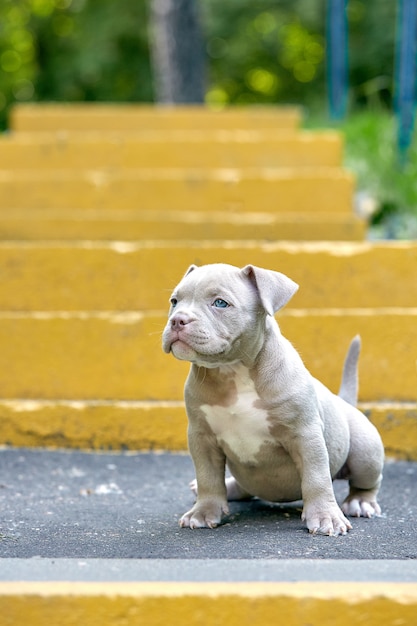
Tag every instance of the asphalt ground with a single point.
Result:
(85, 513)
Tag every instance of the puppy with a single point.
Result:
(252, 405)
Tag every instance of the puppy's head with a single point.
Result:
(218, 311)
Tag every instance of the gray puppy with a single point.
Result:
(252, 405)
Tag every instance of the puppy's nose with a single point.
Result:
(179, 320)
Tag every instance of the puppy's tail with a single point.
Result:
(349, 385)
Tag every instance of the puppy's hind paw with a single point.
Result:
(361, 507)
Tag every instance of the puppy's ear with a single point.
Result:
(190, 269)
(275, 289)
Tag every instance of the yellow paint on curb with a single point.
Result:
(130, 117)
(240, 604)
(170, 149)
(97, 425)
(135, 276)
(148, 426)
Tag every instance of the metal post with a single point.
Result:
(405, 74)
(337, 57)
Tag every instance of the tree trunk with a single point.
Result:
(177, 51)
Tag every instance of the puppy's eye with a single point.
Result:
(173, 302)
(220, 304)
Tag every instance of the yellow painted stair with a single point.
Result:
(170, 148)
(131, 173)
(102, 208)
(97, 227)
(81, 322)
(132, 117)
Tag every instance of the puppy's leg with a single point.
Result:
(364, 465)
(233, 489)
(209, 462)
(321, 512)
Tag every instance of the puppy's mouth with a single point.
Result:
(182, 350)
(196, 349)
(173, 338)
(178, 341)
(185, 352)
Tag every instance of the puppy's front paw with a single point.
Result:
(205, 514)
(322, 520)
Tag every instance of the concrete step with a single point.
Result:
(230, 190)
(156, 425)
(117, 355)
(188, 149)
(139, 276)
(105, 224)
(131, 117)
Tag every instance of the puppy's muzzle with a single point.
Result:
(179, 320)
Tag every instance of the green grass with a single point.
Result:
(384, 179)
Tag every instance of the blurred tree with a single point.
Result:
(91, 50)
(265, 51)
(274, 51)
(372, 32)
(258, 51)
(177, 51)
(73, 50)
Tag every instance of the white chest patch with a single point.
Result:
(242, 426)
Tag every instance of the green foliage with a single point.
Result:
(262, 51)
(73, 50)
(382, 179)
(258, 51)
(17, 53)
(274, 51)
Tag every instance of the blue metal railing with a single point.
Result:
(405, 86)
(405, 73)
(337, 57)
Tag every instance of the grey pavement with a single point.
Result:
(71, 515)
